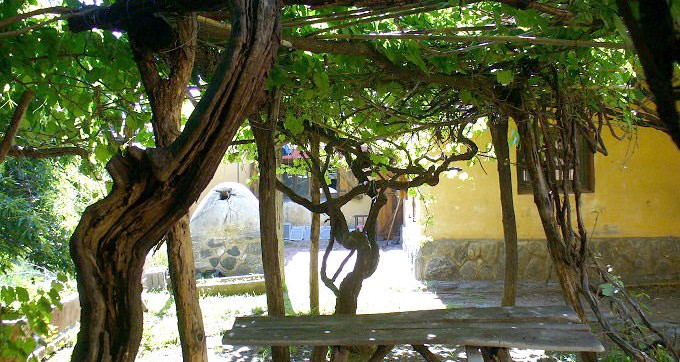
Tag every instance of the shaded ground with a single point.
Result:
(391, 288)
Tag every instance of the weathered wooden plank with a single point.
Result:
(546, 338)
(493, 314)
(316, 327)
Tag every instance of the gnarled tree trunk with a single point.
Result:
(153, 188)
(567, 271)
(568, 265)
(166, 97)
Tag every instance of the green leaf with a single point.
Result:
(101, 153)
(321, 81)
(293, 124)
(8, 294)
(608, 289)
(277, 78)
(505, 77)
(465, 96)
(22, 294)
(414, 54)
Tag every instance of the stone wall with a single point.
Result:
(229, 256)
(636, 260)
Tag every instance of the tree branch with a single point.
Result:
(14, 123)
(50, 152)
(479, 38)
(57, 10)
(317, 208)
(118, 15)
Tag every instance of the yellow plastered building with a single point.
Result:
(633, 217)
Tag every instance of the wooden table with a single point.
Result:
(552, 328)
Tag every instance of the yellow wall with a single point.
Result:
(358, 206)
(637, 194)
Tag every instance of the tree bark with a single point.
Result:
(14, 123)
(166, 97)
(566, 271)
(48, 152)
(658, 47)
(153, 188)
(499, 138)
(183, 278)
(567, 266)
(265, 140)
(315, 233)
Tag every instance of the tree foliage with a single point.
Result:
(86, 92)
(40, 205)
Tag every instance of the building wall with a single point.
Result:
(636, 205)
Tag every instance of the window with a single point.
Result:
(586, 169)
(297, 183)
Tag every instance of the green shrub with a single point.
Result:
(25, 316)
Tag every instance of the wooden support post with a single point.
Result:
(496, 354)
(380, 353)
(473, 354)
(426, 353)
(319, 354)
(340, 354)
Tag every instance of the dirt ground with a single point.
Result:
(391, 288)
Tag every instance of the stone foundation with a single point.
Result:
(636, 260)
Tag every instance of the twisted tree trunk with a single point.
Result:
(567, 269)
(153, 188)
(166, 97)
(568, 265)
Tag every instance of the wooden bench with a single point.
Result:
(552, 328)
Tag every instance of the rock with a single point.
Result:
(205, 253)
(228, 263)
(469, 270)
(215, 243)
(459, 253)
(489, 251)
(234, 251)
(254, 248)
(440, 268)
(486, 272)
